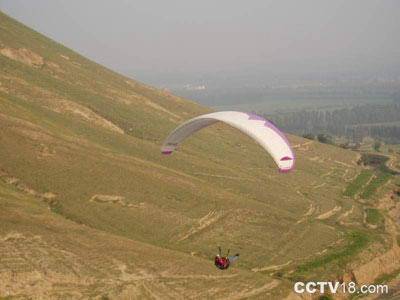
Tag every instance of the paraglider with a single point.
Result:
(261, 130)
(223, 262)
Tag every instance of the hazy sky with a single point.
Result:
(153, 38)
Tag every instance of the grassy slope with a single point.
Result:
(56, 256)
(74, 129)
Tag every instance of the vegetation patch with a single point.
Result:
(373, 160)
(358, 241)
(374, 217)
(374, 184)
(387, 277)
(356, 185)
(378, 162)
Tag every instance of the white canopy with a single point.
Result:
(263, 131)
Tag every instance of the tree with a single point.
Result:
(345, 145)
(309, 136)
(324, 138)
(377, 145)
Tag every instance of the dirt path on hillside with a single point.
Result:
(224, 176)
(343, 164)
(304, 144)
(346, 213)
(328, 173)
(210, 218)
(319, 186)
(309, 212)
(345, 175)
(391, 163)
(330, 213)
(271, 268)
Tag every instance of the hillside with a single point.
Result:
(89, 207)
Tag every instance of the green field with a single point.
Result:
(374, 217)
(357, 241)
(379, 180)
(358, 183)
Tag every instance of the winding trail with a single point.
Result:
(319, 186)
(272, 268)
(309, 212)
(301, 145)
(224, 176)
(343, 164)
(210, 218)
(346, 213)
(329, 213)
(391, 163)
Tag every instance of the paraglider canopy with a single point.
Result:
(260, 129)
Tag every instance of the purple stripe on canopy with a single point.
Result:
(286, 158)
(268, 124)
(255, 117)
(166, 152)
